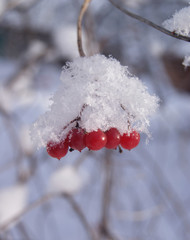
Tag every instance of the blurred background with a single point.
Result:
(136, 195)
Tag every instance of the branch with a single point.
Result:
(79, 27)
(81, 216)
(151, 24)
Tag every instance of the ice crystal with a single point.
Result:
(186, 61)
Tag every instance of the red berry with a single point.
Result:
(95, 140)
(57, 150)
(130, 141)
(113, 138)
(77, 139)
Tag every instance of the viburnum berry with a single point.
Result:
(76, 139)
(113, 138)
(130, 141)
(57, 150)
(95, 140)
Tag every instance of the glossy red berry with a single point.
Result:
(113, 138)
(95, 140)
(76, 139)
(57, 150)
(130, 141)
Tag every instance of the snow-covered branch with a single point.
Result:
(150, 23)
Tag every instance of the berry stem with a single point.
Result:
(120, 149)
(78, 118)
(128, 122)
(79, 27)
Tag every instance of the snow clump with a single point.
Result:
(65, 180)
(97, 93)
(180, 22)
(12, 201)
(186, 61)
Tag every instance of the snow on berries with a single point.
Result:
(98, 102)
(130, 141)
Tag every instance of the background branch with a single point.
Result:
(151, 24)
(81, 216)
(106, 199)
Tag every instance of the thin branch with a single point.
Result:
(78, 118)
(148, 22)
(106, 200)
(79, 27)
(81, 216)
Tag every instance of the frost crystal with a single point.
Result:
(186, 61)
(98, 93)
(180, 22)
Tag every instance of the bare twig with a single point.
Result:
(106, 201)
(79, 27)
(78, 118)
(107, 189)
(81, 216)
(151, 24)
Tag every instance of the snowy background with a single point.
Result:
(138, 195)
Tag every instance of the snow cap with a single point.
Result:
(98, 93)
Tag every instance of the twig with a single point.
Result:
(148, 22)
(81, 216)
(78, 118)
(128, 122)
(79, 27)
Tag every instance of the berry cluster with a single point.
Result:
(78, 139)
